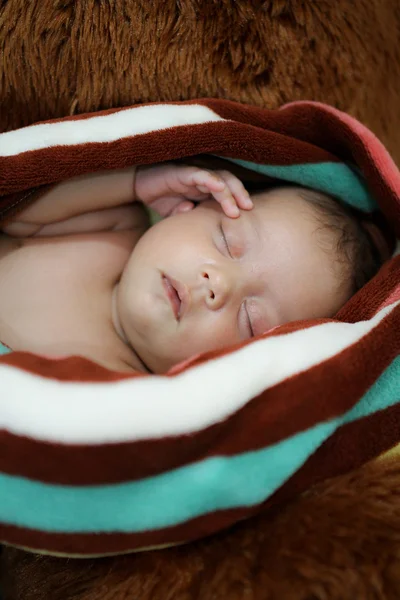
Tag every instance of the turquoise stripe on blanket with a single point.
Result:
(4, 349)
(184, 493)
(337, 179)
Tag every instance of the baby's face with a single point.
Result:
(235, 277)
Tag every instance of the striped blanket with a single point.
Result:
(94, 462)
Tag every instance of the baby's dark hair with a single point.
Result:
(357, 253)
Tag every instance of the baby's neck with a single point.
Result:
(135, 362)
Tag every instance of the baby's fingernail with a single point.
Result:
(248, 201)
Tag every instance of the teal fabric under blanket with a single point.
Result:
(336, 179)
(4, 349)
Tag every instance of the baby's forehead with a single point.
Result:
(285, 196)
(291, 207)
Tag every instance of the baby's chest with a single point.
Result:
(56, 287)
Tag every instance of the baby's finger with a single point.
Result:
(210, 182)
(226, 188)
(193, 182)
(207, 181)
(237, 190)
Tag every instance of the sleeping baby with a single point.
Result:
(83, 273)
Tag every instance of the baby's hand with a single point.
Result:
(171, 188)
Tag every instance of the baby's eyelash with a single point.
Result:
(249, 321)
(224, 240)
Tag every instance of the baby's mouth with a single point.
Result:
(172, 295)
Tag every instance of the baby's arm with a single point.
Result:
(90, 203)
(106, 201)
(132, 216)
(81, 195)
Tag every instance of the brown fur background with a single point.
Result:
(62, 57)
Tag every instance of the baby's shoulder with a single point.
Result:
(93, 259)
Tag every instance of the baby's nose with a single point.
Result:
(217, 286)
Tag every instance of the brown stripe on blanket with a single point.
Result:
(324, 464)
(73, 368)
(258, 424)
(374, 295)
(86, 544)
(57, 163)
(352, 445)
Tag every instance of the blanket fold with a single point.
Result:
(94, 462)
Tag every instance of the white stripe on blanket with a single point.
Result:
(105, 128)
(157, 406)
